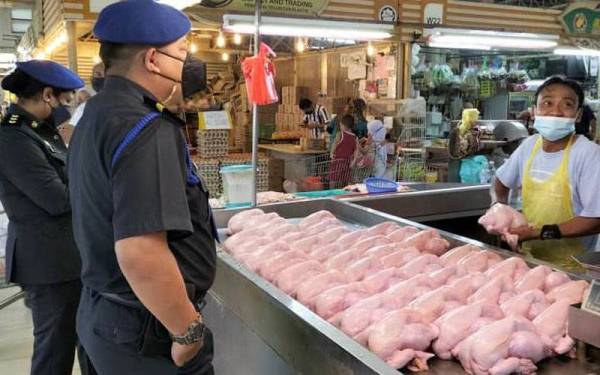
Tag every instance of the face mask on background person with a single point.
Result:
(554, 128)
(98, 83)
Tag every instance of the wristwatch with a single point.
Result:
(193, 334)
(551, 232)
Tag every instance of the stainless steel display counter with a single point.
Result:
(430, 202)
(260, 330)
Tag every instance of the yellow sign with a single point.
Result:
(291, 7)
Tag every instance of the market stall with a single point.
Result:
(281, 335)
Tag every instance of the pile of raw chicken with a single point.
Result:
(405, 295)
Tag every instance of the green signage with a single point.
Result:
(291, 7)
(582, 20)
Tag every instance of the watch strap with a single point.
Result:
(551, 232)
(193, 334)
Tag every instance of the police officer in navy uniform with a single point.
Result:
(40, 252)
(141, 216)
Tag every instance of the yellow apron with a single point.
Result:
(549, 202)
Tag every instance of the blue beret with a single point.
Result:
(52, 74)
(143, 22)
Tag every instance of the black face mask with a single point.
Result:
(193, 76)
(98, 83)
(60, 115)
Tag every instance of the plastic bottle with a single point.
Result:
(487, 173)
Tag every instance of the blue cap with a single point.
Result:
(52, 74)
(142, 22)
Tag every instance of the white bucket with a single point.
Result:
(237, 184)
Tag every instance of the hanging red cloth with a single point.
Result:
(259, 72)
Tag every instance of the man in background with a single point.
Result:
(316, 117)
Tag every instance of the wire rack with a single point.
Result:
(321, 172)
(411, 123)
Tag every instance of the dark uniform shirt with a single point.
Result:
(33, 189)
(144, 192)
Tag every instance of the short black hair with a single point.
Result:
(562, 80)
(25, 86)
(305, 104)
(117, 54)
(348, 120)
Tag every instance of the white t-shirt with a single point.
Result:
(584, 174)
(77, 114)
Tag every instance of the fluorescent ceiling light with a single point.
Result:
(573, 51)
(180, 4)
(297, 27)
(459, 46)
(492, 39)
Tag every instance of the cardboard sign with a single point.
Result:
(214, 120)
(591, 301)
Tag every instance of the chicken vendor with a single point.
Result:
(316, 117)
(558, 172)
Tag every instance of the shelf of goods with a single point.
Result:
(293, 312)
(269, 171)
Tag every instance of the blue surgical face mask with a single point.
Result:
(554, 128)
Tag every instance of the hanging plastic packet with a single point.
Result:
(259, 72)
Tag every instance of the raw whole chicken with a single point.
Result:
(383, 229)
(453, 256)
(381, 251)
(306, 245)
(365, 244)
(455, 326)
(555, 279)
(400, 258)
(572, 292)
(500, 219)
(357, 318)
(322, 253)
(527, 304)
(418, 265)
(533, 279)
(478, 261)
(514, 268)
(287, 280)
(253, 260)
(331, 235)
(401, 234)
(427, 241)
(315, 218)
(504, 347)
(309, 290)
(551, 325)
(349, 239)
(272, 267)
(335, 300)
(398, 331)
(236, 223)
(279, 231)
(493, 293)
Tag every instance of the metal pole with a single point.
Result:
(257, 14)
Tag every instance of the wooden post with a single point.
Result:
(72, 46)
(406, 70)
(324, 73)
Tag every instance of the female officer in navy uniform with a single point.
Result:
(40, 252)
